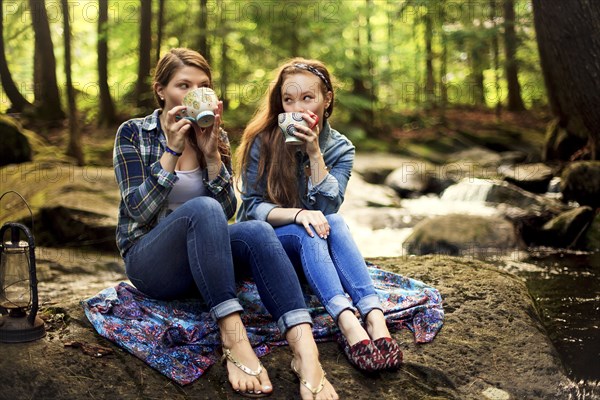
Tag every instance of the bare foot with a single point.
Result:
(242, 357)
(351, 328)
(306, 363)
(247, 382)
(312, 373)
(376, 326)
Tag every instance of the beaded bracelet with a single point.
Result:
(296, 216)
(173, 152)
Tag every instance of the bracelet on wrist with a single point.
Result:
(173, 152)
(296, 216)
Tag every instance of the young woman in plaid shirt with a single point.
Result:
(176, 198)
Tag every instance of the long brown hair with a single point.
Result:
(278, 164)
(166, 67)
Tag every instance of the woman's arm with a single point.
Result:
(254, 204)
(144, 188)
(218, 178)
(327, 194)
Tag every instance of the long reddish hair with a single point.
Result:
(277, 164)
(165, 69)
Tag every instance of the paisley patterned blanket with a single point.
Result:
(179, 338)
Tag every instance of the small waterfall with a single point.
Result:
(469, 190)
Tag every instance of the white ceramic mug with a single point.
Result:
(286, 124)
(200, 104)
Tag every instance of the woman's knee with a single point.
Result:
(335, 220)
(204, 208)
(255, 230)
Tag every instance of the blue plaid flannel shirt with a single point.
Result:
(145, 185)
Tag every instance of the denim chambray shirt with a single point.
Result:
(145, 185)
(327, 195)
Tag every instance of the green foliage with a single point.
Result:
(380, 43)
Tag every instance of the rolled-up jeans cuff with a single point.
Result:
(368, 304)
(225, 308)
(337, 304)
(293, 318)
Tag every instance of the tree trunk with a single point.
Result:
(515, 102)
(370, 66)
(74, 147)
(202, 41)
(429, 78)
(47, 99)
(224, 81)
(143, 93)
(443, 66)
(477, 51)
(159, 29)
(496, 58)
(362, 116)
(106, 116)
(569, 46)
(17, 100)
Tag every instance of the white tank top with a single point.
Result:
(188, 186)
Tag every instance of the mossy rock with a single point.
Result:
(458, 234)
(15, 147)
(580, 182)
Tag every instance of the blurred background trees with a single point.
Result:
(397, 63)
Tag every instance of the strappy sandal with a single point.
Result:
(228, 357)
(314, 391)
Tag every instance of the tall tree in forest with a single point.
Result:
(429, 78)
(159, 29)
(17, 100)
(569, 47)
(47, 99)
(443, 63)
(202, 39)
(478, 58)
(143, 94)
(496, 57)
(364, 115)
(515, 102)
(74, 147)
(223, 31)
(106, 116)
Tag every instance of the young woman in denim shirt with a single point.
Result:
(176, 198)
(298, 190)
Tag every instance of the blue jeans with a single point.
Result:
(332, 266)
(193, 250)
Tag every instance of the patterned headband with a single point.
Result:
(316, 72)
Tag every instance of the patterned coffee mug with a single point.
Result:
(286, 124)
(200, 104)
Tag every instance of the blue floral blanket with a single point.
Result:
(179, 338)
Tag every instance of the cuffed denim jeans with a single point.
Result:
(332, 266)
(193, 250)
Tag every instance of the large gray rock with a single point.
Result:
(458, 234)
(375, 167)
(14, 146)
(415, 178)
(566, 229)
(72, 206)
(591, 240)
(581, 183)
(492, 345)
(532, 177)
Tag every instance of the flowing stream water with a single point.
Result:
(565, 284)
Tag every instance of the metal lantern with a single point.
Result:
(18, 284)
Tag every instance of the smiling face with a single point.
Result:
(184, 79)
(304, 91)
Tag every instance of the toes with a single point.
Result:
(265, 383)
(242, 386)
